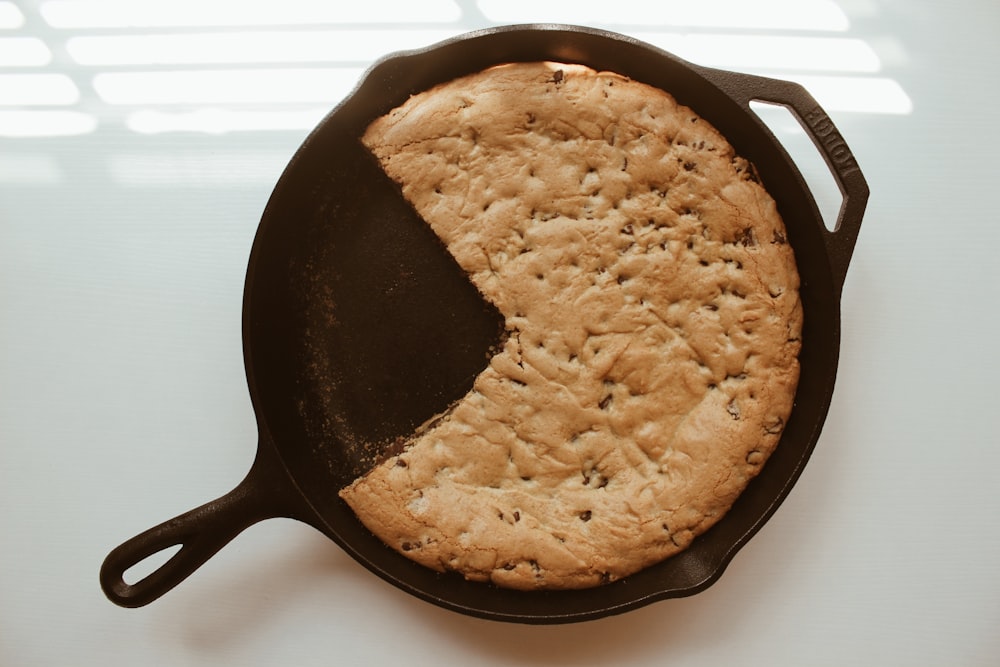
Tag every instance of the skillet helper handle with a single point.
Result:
(840, 241)
(200, 533)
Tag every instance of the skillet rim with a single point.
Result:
(521, 611)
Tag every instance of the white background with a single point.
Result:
(127, 210)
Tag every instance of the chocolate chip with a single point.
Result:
(746, 237)
(605, 402)
(586, 515)
(689, 166)
(558, 76)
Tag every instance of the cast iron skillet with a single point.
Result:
(358, 326)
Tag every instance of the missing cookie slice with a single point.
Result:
(653, 328)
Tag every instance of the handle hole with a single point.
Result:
(149, 565)
(788, 129)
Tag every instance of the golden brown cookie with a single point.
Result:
(653, 316)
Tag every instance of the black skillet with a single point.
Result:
(358, 326)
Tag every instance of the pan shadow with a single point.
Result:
(670, 627)
(244, 600)
(238, 606)
(248, 596)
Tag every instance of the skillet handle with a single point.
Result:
(746, 88)
(200, 533)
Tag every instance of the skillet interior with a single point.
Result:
(356, 328)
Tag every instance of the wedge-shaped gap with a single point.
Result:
(788, 129)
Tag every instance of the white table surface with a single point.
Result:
(123, 400)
